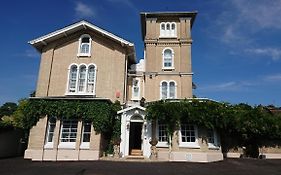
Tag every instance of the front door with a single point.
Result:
(135, 140)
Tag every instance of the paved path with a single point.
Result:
(14, 166)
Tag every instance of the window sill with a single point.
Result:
(189, 145)
(167, 36)
(85, 145)
(135, 99)
(67, 145)
(49, 145)
(162, 145)
(168, 68)
(83, 55)
(212, 146)
(79, 93)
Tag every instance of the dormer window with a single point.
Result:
(168, 30)
(85, 45)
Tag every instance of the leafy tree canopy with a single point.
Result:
(8, 109)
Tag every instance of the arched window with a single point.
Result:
(173, 29)
(168, 90)
(72, 78)
(164, 90)
(168, 59)
(91, 79)
(82, 79)
(168, 29)
(162, 29)
(172, 90)
(84, 45)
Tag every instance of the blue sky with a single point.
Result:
(236, 53)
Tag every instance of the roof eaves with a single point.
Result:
(84, 23)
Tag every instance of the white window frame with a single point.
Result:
(189, 144)
(85, 145)
(137, 86)
(69, 144)
(168, 89)
(173, 32)
(79, 54)
(161, 143)
(79, 79)
(168, 33)
(215, 144)
(49, 125)
(86, 83)
(88, 78)
(163, 59)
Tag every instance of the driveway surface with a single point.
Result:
(14, 166)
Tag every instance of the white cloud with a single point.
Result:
(240, 21)
(228, 86)
(274, 53)
(275, 77)
(127, 3)
(31, 53)
(260, 13)
(83, 10)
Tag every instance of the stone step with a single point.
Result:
(135, 157)
(136, 152)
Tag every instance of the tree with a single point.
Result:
(8, 109)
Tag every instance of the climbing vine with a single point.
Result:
(247, 124)
(101, 113)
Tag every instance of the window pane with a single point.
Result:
(210, 136)
(167, 58)
(50, 129)
(162, 133)
(72, 79)
(69, 130)
(85, 48)
(188, 133)
(136, 88)
(168, 27)
(172, 90)
(91, 79)
(86, 40)
(82, 79)
(85, 45)
(164, 89)
(91, 74)
(86, 134)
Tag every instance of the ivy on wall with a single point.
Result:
(247, 124)
(100, 113)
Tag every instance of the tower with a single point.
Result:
(167, 53)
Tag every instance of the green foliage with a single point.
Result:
(8, 109)
(6, 118)
(101, 113)
(245, 123)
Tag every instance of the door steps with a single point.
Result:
(136, 152)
